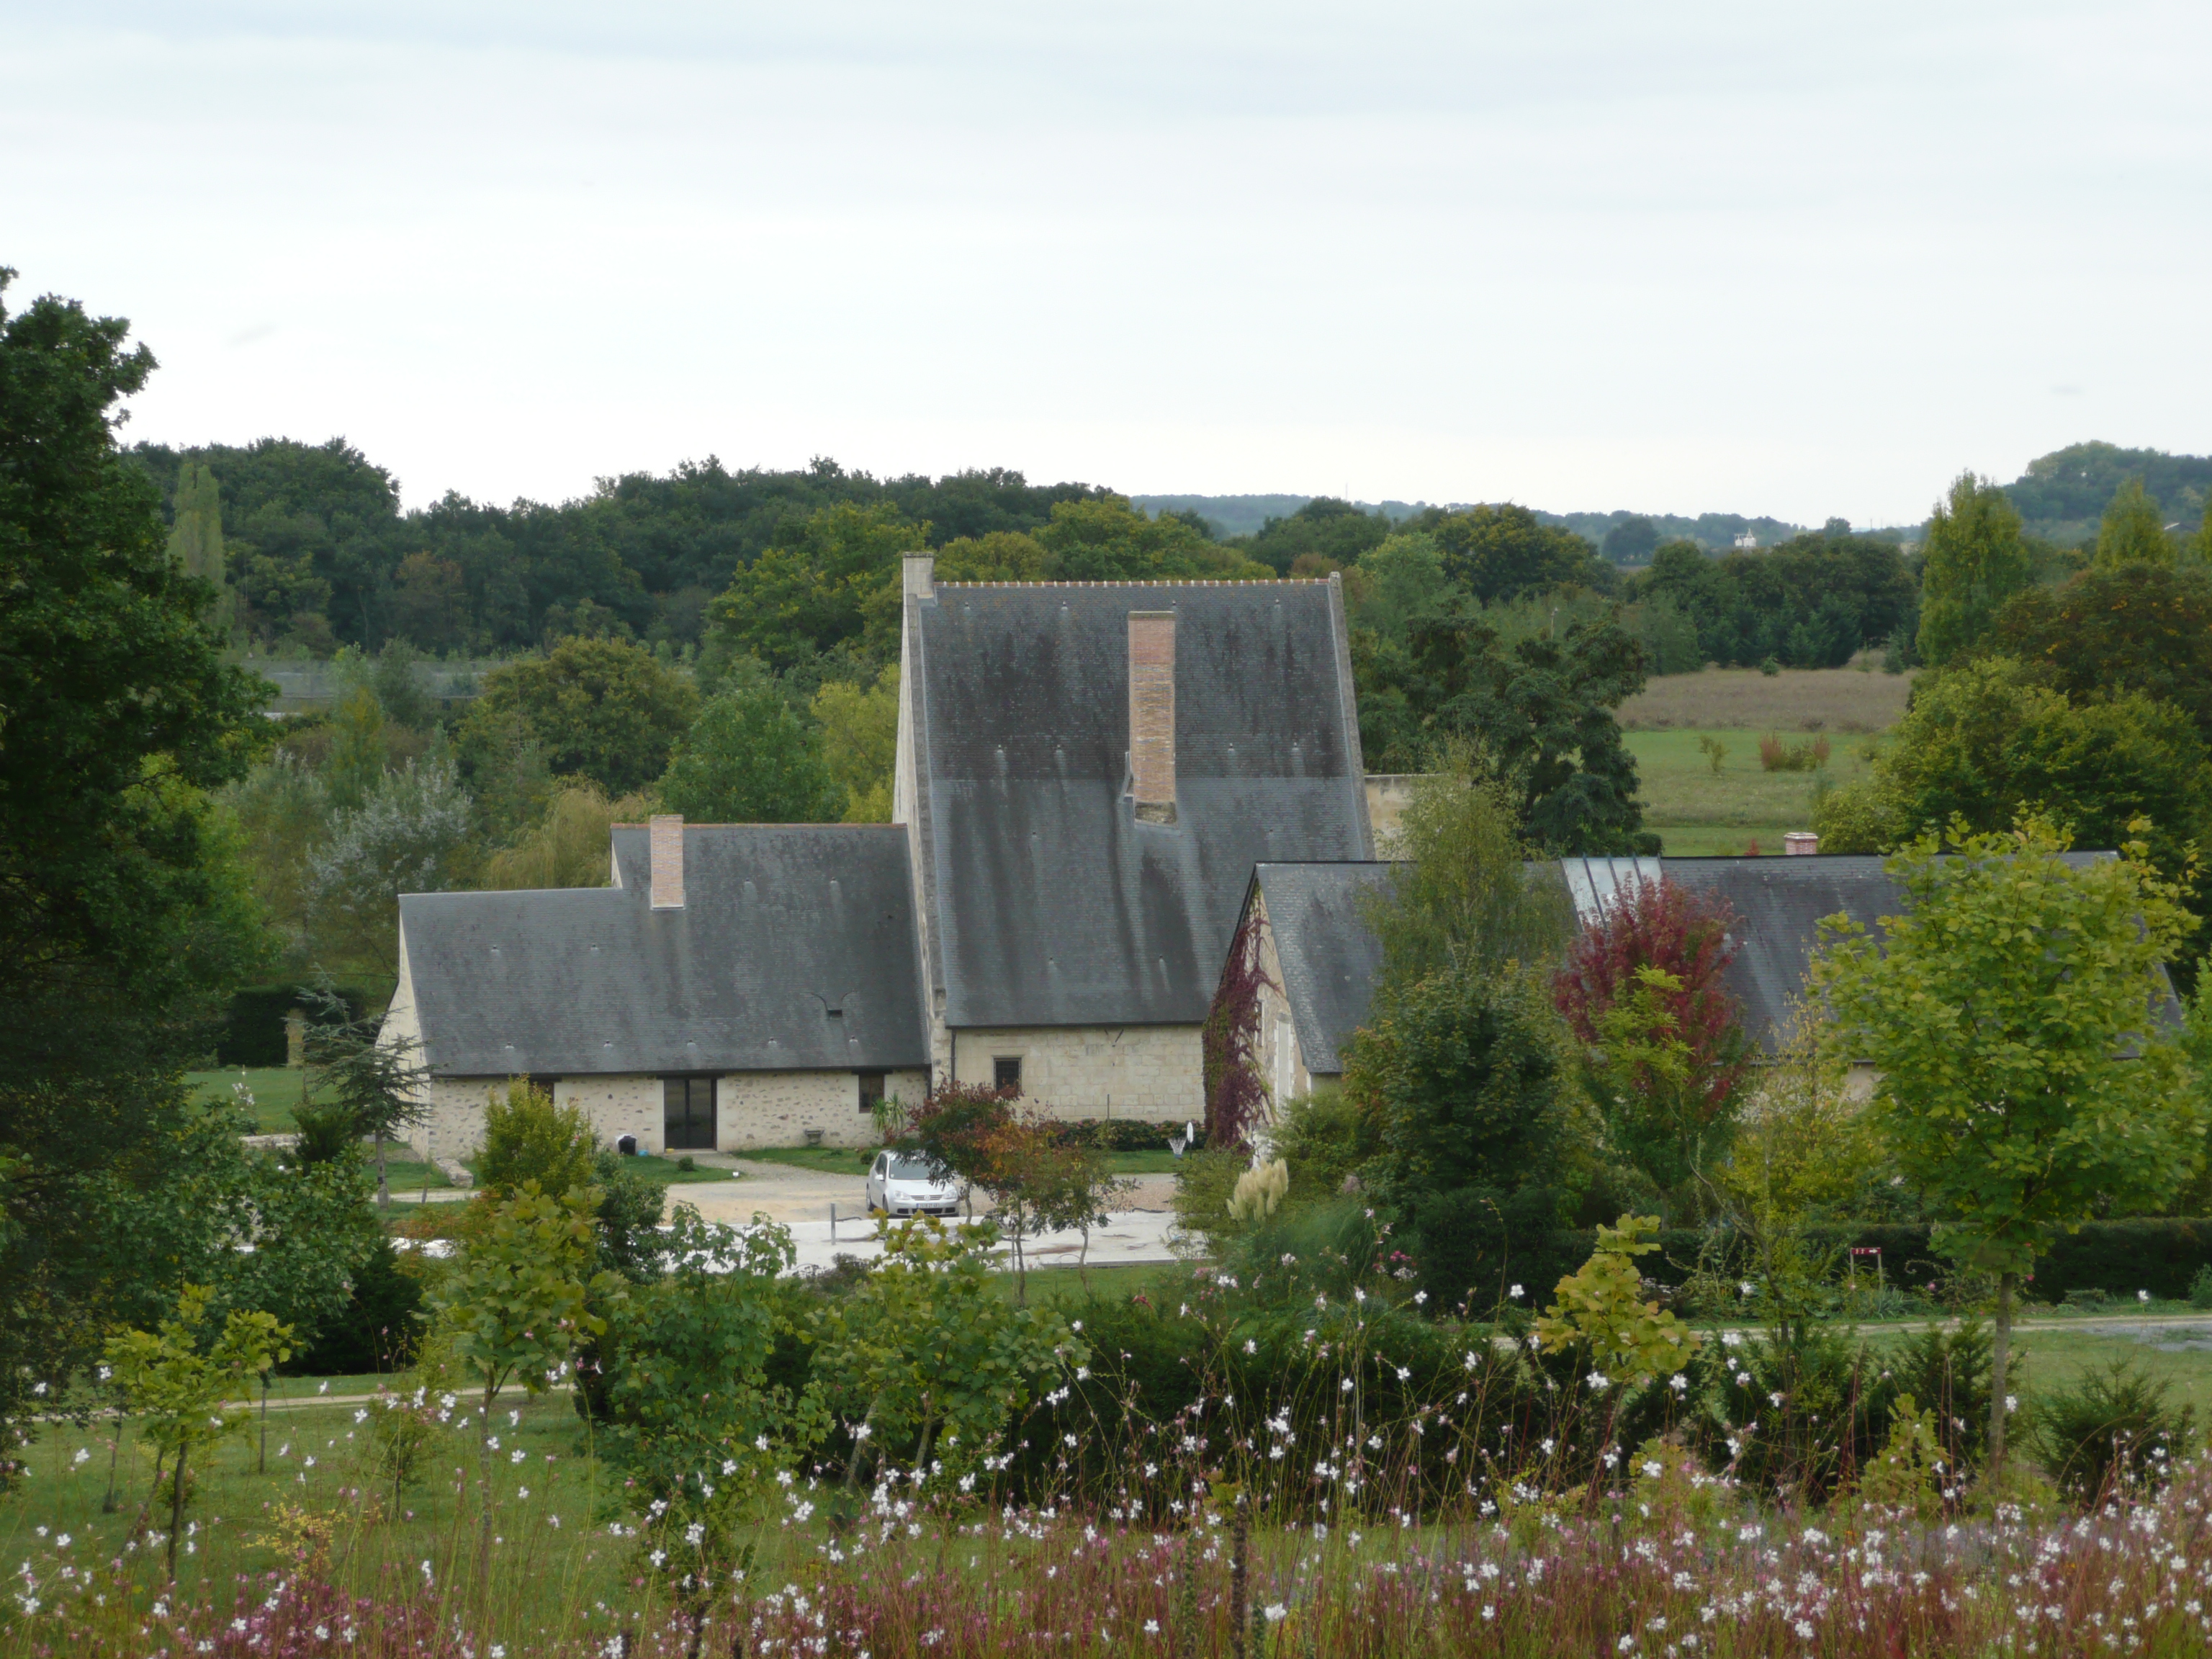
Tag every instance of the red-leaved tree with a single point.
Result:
(1641, 987)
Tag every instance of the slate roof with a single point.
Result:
(1048, 902)
(1330, 958)
(782, 924)
(1330, 961)
(1780, 901)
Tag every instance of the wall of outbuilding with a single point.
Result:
(1152, 1072)
(751, 1109)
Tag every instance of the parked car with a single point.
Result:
(904, 1183)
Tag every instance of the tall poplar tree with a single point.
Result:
(2134, 529)
(1976, 560)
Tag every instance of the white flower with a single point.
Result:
(1624, 1644)
(82, 1456)
(1516, 1293)
(1599, 1382)
(2012, 1403)
(1151, 1627)
(1275, 1612)
(2143, 1295)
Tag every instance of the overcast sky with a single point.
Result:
(1760, 257)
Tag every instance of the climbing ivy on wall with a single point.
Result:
(1236, 1094)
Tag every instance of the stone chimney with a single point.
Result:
(921, 575)
(666, 832)
(1800, 841)
(1152, 715)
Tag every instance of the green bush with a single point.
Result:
(2200, 1288)
(528, 1138)
(2164, 1256)
(1115, 1135)
(1204, 1182)
(379, 1331)
(1324, 1140)
(2113, 1426)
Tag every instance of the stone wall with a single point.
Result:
(1280, 1060)
(1153, 1073)
(751, 1109)
(454, 1124)
(776, 1108)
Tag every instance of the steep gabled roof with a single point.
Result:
(1330, 958)
(1048, 902)
(1780, 902)
(782, 925)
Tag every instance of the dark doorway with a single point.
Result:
(688, 1122)
(871, 1092)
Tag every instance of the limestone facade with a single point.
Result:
(1276, 1052)
(751, 1109)
(1151, 1072)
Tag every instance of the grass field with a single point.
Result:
(1698, 812)
(1844, 701)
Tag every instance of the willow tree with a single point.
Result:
(2018, 1016)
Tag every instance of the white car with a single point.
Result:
(905, 1183)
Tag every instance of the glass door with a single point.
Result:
(688, 1123)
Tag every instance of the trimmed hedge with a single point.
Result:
(252, 1032)
(2159, 1256)
(1115, 1135)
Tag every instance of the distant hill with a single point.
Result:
(1246, 515)
(2063, 494)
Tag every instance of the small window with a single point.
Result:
(1006, 1072)
(871, 1092)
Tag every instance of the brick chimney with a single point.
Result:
(1800, 841)
(1152, 715)
(666, 832)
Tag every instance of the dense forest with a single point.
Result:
(724, 644)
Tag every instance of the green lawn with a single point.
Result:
(275, 1088)
(1699, 810)
(547, 1572)
(828, 1160)
(2179, 1354)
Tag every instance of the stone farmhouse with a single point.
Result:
(1087, 774)
(1303, 927)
